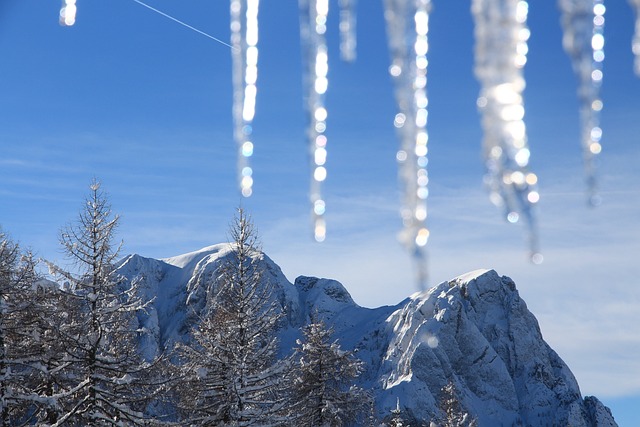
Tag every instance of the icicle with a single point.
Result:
(407, 30)
(348, 40)
(244, 39)
(313, 25)
(583, 23)
(636, 36)
(501, 49)
(68, 13)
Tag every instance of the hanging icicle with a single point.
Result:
(244, 40)
(407, 30)
(68, 13)
(348, 40)
(501, 53)
(583, 40)
(635, 46)
(313, 26)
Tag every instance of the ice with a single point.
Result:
(583, 40)
(68, 13)
(407, 33)
(313, 26)
(244, 40)
(500, 55)
(636, 37)
(348, 40)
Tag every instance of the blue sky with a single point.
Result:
(144, 104)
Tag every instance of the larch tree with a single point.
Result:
(323, 389)
(102, 379)
(53, 308)
(17, 320)
(231, 375)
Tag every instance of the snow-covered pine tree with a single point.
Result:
(47, 349)
(102, 378)
(17, 310)
(451, 406)
(323, 389)
(31, 309)
(230, 372)
(396, 417)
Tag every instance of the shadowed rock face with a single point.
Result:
(473, 331)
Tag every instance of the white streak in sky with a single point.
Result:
(183, 23)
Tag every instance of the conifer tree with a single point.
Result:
(323, 389)
(101, 380)
(17, 276)
(396, 416)
(451, 406)
(48, 349)
(231, 375)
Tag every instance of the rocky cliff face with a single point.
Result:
(474, 332)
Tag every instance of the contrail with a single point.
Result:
(183, 23)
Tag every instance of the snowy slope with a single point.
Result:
(473, 330)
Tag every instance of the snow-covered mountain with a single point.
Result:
(474, 331)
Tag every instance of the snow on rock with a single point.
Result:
(161, 285)
(190, 260)
(477, 332)
(322, 295)
(177, 290)
(600, 415)
(473, 331)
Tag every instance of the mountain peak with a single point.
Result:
(475, 275)
(191, 258)
(473, 331)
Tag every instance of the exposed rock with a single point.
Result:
(473, 331)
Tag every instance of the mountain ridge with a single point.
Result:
(473, 331)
